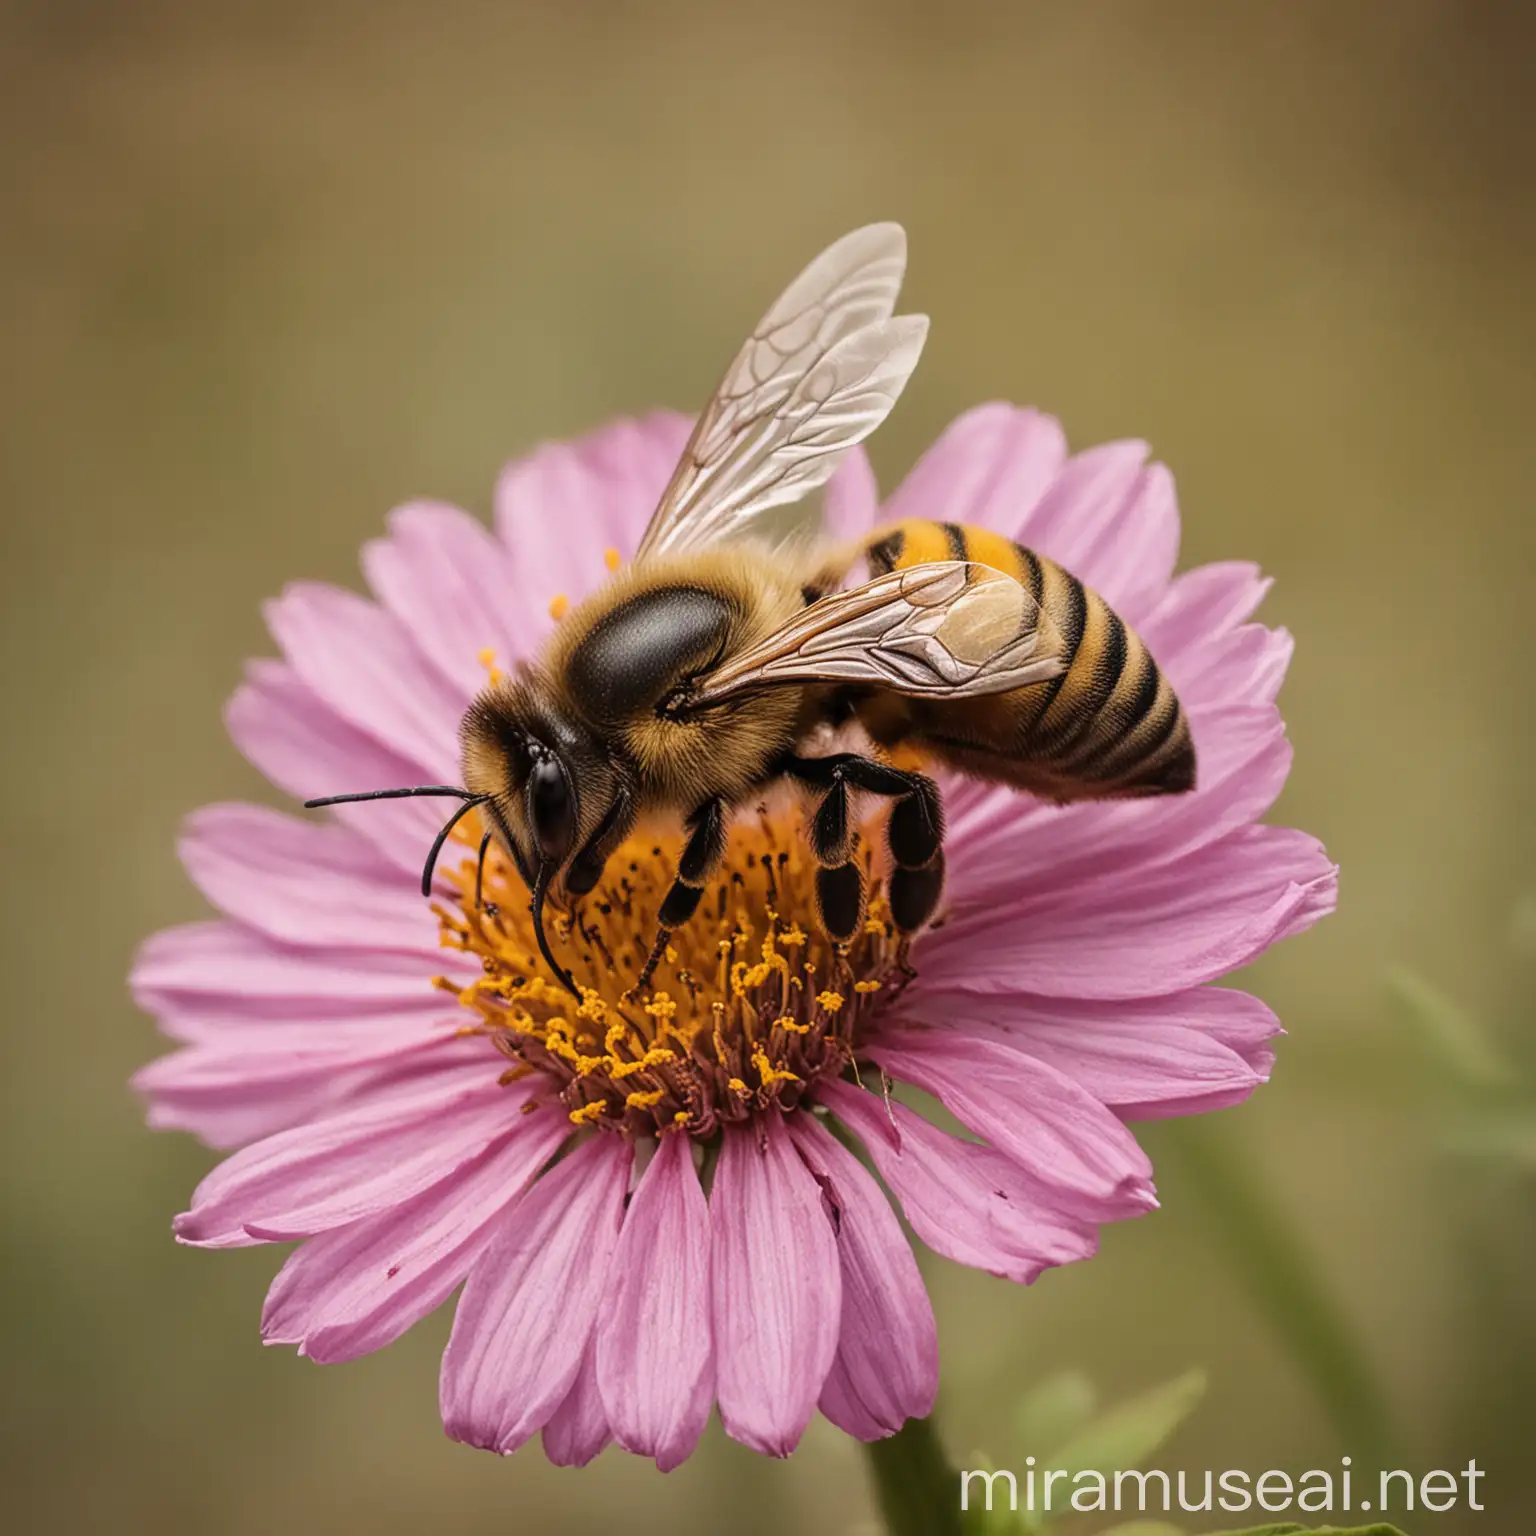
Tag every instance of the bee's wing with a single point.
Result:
(819, 374)
(951, 629)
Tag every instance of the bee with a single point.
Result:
(710, 667)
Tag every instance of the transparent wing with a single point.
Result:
(819, 374)
(951, 629)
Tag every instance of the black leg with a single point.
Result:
(916, 831)
(915, 893)
(830, 830)
(586, 869)
(706, 845)
(701, 853)
(840, 900)
(915, 837)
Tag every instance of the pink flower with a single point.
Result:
(409, 1132)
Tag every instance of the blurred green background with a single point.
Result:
(268, 269)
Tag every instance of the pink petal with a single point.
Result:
(991, 467)
(1156, 931)
(966, 1201)
(1202, 604)
(305, 882)
(449, 581)
(655, 1355)
(365, 666)
(1085, 494)
(231, 1119)
(1064, 1137)
(333, 1171)
(887, 1365)
(1112, 522)
(775, 1285)
(354, 1290)
(598, 491)
(526, 1315)
(1141, 1067)
(579, 1428)
(1245, 666)
(202, 978)
(234, 1093)
(851, 502)
(1237, 1019)
(305, 748)
(1132, 547)
(1000, 844)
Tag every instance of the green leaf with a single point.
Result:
(1144, 1528)
(1269, 1530)
(997, 1521)
(1131, 1431)
(1454, 1042)
(1315, 1530)
(1051, 1413)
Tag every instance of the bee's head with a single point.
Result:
(554, 796)
(554, 799)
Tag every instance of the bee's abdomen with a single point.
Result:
(1109, 723)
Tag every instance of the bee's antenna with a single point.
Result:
(540, 889)
(485, 842)
(392, 794)
(442, 837)
(442, 791)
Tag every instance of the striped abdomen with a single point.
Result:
(1108, 725)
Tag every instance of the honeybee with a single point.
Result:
(708, 668)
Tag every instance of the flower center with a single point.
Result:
(748, 1006)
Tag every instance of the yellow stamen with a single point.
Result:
(767, 1073)
(734, 1022)
(612, 559)
(657, 1056)
(558, 604)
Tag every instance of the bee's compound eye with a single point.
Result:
(551, 808)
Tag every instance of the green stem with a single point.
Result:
(1272, 1262)
(917, 1489)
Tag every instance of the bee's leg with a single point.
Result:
(915, 838)
(586, 869)
(839, 883)
(702, 852)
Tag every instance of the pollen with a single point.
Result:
(749, 1004)
(487, 659)
(612, 558)
(558, 604)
